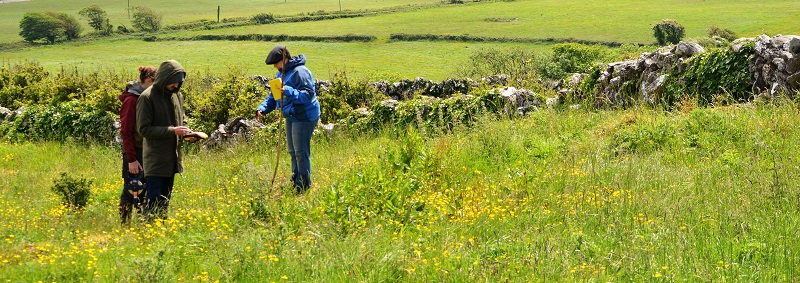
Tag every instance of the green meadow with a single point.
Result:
(558, 196)
(175, 11)
(621, 21)
(624, 21)
(436, 61)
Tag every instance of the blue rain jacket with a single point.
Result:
(299, 101)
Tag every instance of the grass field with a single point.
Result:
(175, 11)
(614, 20)
(435, 61)
(636, 195)
(625, 21)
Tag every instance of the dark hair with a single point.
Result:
(147, 72)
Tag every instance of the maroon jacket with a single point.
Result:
(131, 139)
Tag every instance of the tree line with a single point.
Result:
(52, 27)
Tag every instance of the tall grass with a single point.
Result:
(634, 195)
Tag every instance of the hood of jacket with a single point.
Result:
(295, 61)
(131, 89)
(166, 71)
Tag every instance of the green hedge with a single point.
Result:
(473, 38)
(61, 122)
(269, 37)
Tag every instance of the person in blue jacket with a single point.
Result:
(300, 108)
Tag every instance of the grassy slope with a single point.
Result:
(626, 21)
(176, 11)
(405, 59)
(704, 196)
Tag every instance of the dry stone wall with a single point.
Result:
(774, 68)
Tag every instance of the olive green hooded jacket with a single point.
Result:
(158, 112)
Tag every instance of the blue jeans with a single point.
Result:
(298, 141)
(159, 192)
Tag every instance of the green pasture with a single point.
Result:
(615, 20)
(432, 60)
(176, 11)
(625, 21)
(705, 195)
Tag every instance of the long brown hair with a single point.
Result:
(147, 72)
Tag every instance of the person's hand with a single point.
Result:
(192, 139)
(258, 115)
(134, 167)
(181, 130)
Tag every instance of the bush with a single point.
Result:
(569, 58)
(74, 192)
(517, 63)
(41, 26)
(72, 28)
(123, 29)
(263, 18)
(727, 34)
(65, 121)
(215, 101)
(146, 19)
(668, 31)
(97, 18)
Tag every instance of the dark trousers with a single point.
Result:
(127, 203)
(159, 192)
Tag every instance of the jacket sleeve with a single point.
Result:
(268, 105)
(144, 121)
(127, 117)
(300, 89)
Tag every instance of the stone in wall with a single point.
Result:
(233, 131)
(776, 64)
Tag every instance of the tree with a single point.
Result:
(72, 28)
(668, 31)
(97, 18)
(145, 19)
(36, 26)
(727, 34)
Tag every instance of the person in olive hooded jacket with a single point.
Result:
(161, 120)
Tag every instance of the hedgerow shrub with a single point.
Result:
(668, 31)
(263, 18)
(569, 58)
(65, 121)
(146, 19)
(719, 73)
(15, 79)
(727, 34)
(30, 84)
(213, 100)
(518, 63)
(269, 37)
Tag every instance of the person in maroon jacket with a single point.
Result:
(131, 139)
